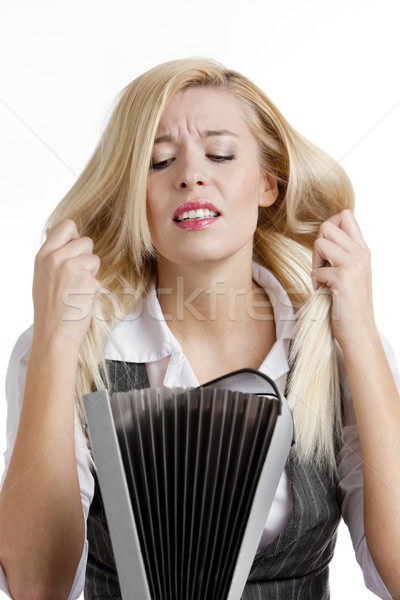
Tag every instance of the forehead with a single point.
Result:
(202, 109)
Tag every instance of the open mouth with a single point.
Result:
(196, 215)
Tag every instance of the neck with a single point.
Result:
(209, 300)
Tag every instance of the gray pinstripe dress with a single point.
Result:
(295, 566)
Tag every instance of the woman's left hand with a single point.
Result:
(342, 261)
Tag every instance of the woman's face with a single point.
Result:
(205, 183)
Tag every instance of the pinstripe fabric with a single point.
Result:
(295, 566)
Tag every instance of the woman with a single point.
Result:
(154, 266)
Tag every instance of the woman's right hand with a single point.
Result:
(64, 286)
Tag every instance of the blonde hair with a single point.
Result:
(108, 203)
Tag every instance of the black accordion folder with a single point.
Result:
(187, 478)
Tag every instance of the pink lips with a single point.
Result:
(198, 223)
(186, 206)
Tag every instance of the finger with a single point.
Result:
(346, 221)
(326, 251)
(85, 262)
(324, 276)
(332, 232)
(76, 247)
(61, 234)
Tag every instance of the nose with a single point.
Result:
(191, 174)
(185, 184)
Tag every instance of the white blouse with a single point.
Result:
(144, 337)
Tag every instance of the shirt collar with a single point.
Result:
(280, 301)
(144, 336)
(275, 364)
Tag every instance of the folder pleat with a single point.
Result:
(192, 462)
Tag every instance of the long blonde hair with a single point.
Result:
(108, 203)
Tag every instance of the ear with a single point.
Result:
(269, 190)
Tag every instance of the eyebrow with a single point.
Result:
(216, 132)
(204, 134)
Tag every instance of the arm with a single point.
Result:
(377, 409)
(341, 261)
(41, 516)
(351, 485)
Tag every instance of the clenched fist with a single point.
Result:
(64, 286)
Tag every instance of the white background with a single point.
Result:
(331, 67)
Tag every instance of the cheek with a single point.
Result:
(246, 190)
(156, 199)
(156, 219)
(152, 220)
(153, 206)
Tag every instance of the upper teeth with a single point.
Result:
(200, 213)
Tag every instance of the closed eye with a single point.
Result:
(221, 158)
(214, 157)
(162, 164)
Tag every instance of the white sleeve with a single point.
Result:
(15, 384)
(351, 487)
